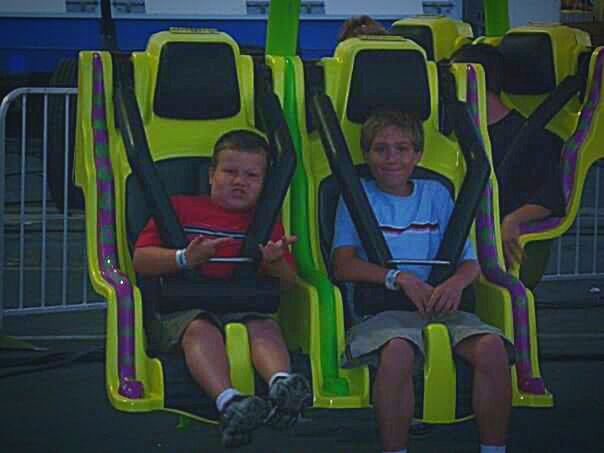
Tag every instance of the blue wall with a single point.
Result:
(30, 45)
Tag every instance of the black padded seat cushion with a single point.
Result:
(197, 81)
(528, 63)
(388, 78)
(420, 34)
(180, 176)
(314, 83)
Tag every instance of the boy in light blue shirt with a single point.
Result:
(413, 215)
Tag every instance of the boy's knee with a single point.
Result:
(197, 330)
(490, 353)
(397, 352)
(263, 327)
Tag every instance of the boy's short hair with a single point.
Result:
(241, 140)
(381, 119)
(489, 57)
(360, 25)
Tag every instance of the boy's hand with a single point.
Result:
(417, 290)
(201, 249)
(274, 251)
(510, 234)
(445, 298)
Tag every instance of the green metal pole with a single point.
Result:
(496, 17)
(333, 384)
(282, 27)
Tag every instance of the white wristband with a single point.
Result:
(181, 259)
(390, 280)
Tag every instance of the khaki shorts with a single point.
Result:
(166, 333)
(364, 340)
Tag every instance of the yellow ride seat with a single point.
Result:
(185, 107)
(439, 36)
(364, 73)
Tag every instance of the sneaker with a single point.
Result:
(240, 417)
(289, 396)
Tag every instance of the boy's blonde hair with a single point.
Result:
(381, 119)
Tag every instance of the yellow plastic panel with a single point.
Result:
(147, 371)
(167, 138)
(238, 351)
(439, 376)
(448, 34)
(567, 44)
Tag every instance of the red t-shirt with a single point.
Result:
(200, 216)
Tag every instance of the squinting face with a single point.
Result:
(391, 159)
(236, 181)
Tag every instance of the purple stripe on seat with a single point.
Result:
(129, 387)
(489, 264)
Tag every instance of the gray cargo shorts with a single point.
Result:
(364, 340)
(166, 333)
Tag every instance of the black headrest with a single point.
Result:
(314, 82)
(420, 34)
(197, 81)
(180, 176)
(395, 79)
(329, 194)
(529, 63)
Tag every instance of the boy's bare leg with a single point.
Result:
(492, 392)
(205, 354)
(393, 397)
(269, 351)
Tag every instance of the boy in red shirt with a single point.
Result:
(216, 226)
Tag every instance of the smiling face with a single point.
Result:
(237, 177)
(391, 157)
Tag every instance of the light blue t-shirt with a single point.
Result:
(413, 225)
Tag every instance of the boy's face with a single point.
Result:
(391, 159)
(236, 181)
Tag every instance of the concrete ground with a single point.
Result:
(64, 409)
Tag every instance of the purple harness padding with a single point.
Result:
(129, 386)
(487, 256)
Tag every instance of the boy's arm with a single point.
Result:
(154, 261)
(160, 260)
(282, 270)
(510, 229)
(347, 266)
(277, 260)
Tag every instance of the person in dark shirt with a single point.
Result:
(530, 181)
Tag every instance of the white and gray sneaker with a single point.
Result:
(242, 415)
(288, 396)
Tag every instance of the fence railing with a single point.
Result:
(42, 238)
(577, 254)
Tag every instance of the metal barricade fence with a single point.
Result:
(43, 265)
(576, 254)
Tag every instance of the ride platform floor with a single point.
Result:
(65, 409)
